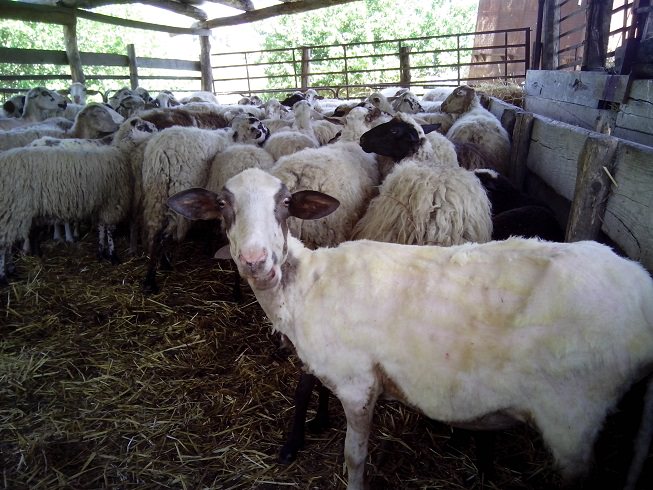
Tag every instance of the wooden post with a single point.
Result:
(593, 185)
(597, 32)
(306, 67)
(521, 140)
(537, 44)
(205, 64)
(133, 67)
(551, 35)
(404, 66)
(74, 59)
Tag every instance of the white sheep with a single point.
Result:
(345, 171)
(77, 93)
(40, 104)
(69, 184)
(426, 199)
(476, 125)
(200, 96)
(93, 121)
(174, 159)
(381, 102)
(550, 334)
(299, 136)
(407, 102)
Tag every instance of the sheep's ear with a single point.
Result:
(9, 106)
(312, 205)
(196, 204)
(335, 120)
(429, 128)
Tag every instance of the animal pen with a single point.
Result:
(103, 386)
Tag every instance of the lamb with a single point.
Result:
(475, 124)
(380, 101)
(93, 121)
(174, 159)
(495, 334)
(427, 198)
(68, 184)
(40, 103)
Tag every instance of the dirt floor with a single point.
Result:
(104, 387)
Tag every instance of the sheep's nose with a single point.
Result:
(253, 259)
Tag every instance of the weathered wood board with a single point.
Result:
(553, 153)
(628, 218)
(584, 88)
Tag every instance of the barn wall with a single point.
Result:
(551, 166)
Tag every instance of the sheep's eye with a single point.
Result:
(286, 202)
(222, 203)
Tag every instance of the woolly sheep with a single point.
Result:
(296, 138)
(93, 121)
(483, 334)
(407, 102)
(427, 199)
(475, 124)
(40, 104)
(185, 115)
(174, 159)
(342, 169)
(200, 96)
(249, 130)
(166, 98)
(86, 182)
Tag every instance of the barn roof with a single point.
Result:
(62, 11)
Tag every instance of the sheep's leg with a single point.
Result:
(321, 420)
(101, 239)
(295, 439)
(3, 274)
(149, 283)
(56, 235)
(68, 232)
(359, 414)
(113, 256)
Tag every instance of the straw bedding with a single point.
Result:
(103, 387)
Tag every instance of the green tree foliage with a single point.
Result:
(358, 23)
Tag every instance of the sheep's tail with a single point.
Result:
(643, 439)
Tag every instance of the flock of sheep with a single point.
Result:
(398, 168)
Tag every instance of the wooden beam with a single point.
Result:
(133, 66)
(36, 13)
(106, 19)
(597, 33)
(178, 7)
(65, 15)
(245, 5)
(276, 10)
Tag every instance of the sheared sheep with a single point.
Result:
(477, 334)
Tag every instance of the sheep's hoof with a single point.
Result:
(288, 453)
(150, 287)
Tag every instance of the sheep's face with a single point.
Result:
(408, 103)
(100, 118)
(14, 106)
(459, 100)
(46, 100)
(130, 105)
(250, 130)
(77, 93)
(396, 139)
(254, 207)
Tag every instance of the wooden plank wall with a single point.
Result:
(593, 100)
(556, 155)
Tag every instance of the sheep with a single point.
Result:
(427, 198)
(118, 95)
(300, 136)
(175, 158)
(437, 94)
(130, 105)
(496, 333)
(345, 171)
(166, 98)
(380, 101)
(249, 130)
(200, 96)
(77, 92)
(322, 130)
(13, 107)
(93, 121)
(475, 124)
(185, 115)
(143, 94)
(40, 103)
(407, 102)
(515, 213)
(69, 184)
(402, 137)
